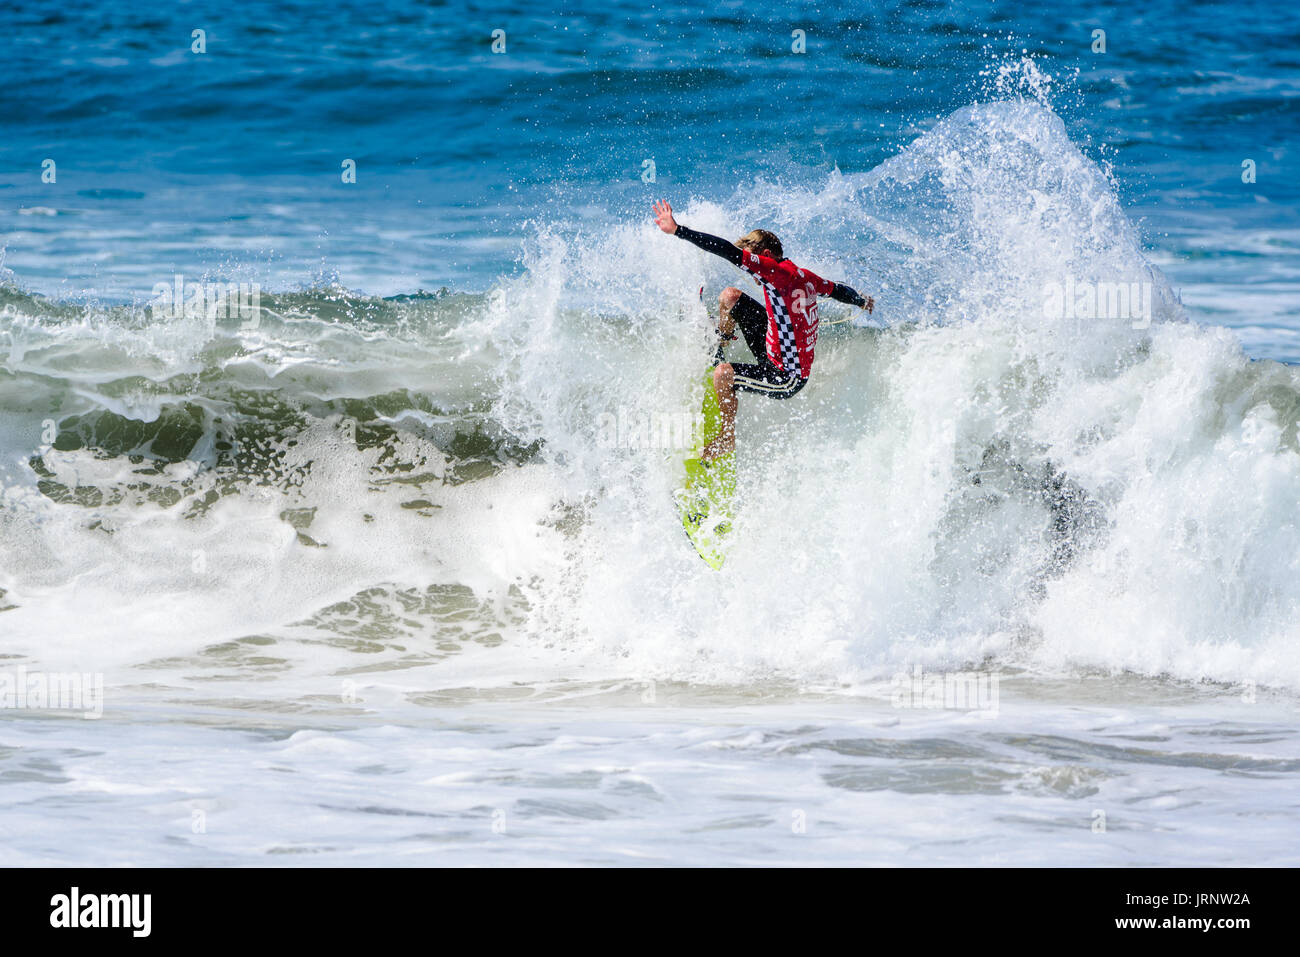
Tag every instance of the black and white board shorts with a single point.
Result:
(761, 377)
(766, 379)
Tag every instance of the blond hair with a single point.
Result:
(756, 240)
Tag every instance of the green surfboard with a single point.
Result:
(705, 501)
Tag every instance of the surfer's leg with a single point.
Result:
(726, 321)
(748, 313)
(724, 383)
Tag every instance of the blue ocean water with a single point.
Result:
(228, 161)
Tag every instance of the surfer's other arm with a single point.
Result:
(845, 294)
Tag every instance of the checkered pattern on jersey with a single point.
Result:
(787, 348)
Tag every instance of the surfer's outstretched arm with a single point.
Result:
(710, 244)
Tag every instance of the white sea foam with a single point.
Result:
(1065, 492)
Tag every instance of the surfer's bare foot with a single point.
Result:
(717, 449)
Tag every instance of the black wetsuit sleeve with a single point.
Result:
(842, 293)
(711, 244)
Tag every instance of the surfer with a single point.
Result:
(782, 336)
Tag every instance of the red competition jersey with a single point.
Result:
(791, 296)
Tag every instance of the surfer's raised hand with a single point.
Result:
(871, 304)
(664, 217)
